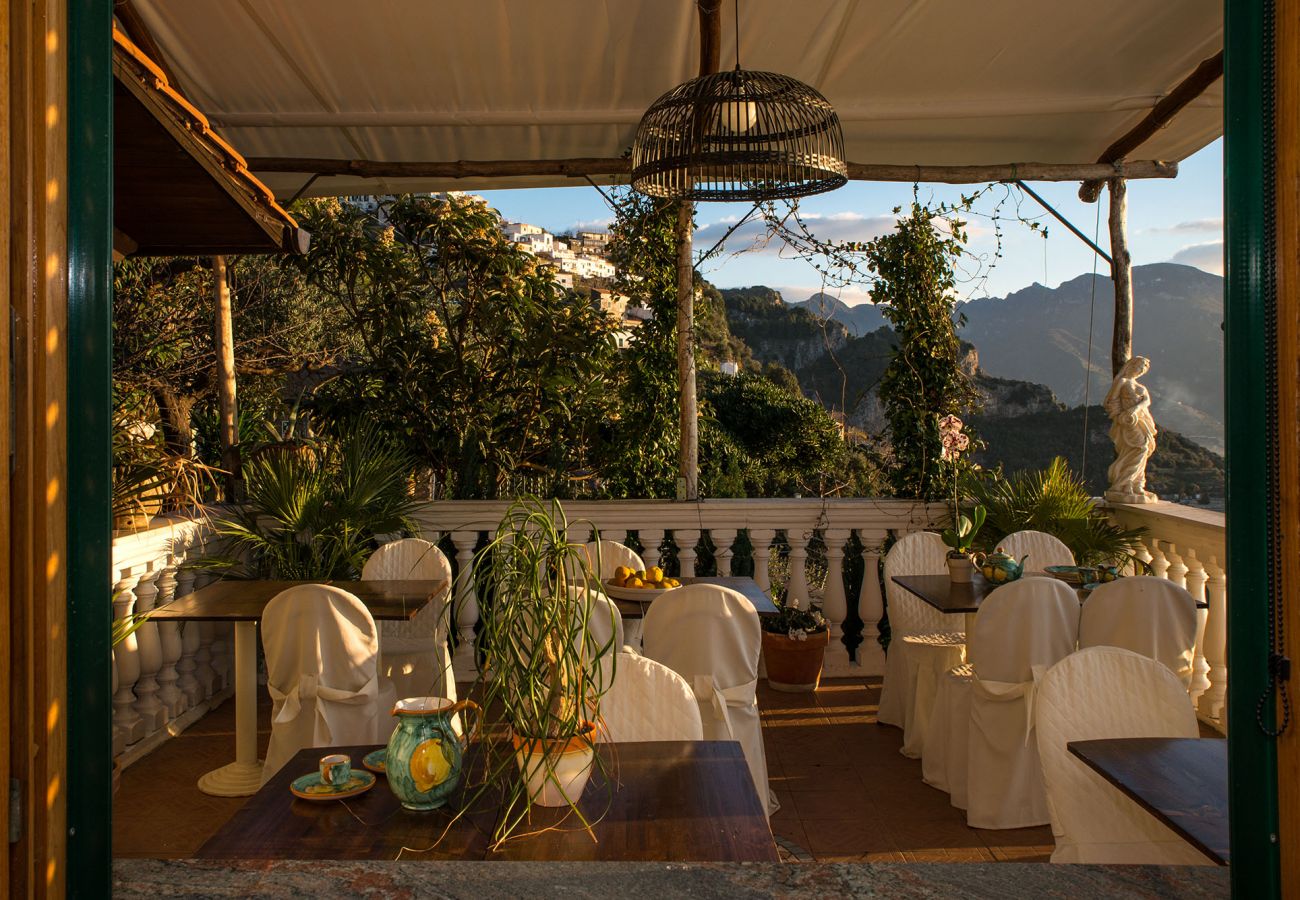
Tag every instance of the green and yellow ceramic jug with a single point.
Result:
(998, 568)
(425, 754)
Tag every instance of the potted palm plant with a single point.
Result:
(794, 647)
(543, 670)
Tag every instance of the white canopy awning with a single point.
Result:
(915, 82)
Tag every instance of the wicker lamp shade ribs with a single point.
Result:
(739, 135)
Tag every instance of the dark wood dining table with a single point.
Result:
(633, 609)
(242, 603)
(685, 801)
(1183, 782)
(956, 598)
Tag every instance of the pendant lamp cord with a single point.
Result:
(736, 24)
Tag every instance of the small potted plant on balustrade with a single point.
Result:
(961, 536)
(794, 647)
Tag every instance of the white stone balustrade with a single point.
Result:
(683, 524)
(1187, 546)
(163, 679)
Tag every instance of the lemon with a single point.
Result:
(655, 573)
(429, 766)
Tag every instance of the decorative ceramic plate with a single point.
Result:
(376, 760)
(310, 787)
(1089, 587)
(636, 595)
(1075, 575)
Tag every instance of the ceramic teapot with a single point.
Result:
(425, 754)
(998, 568)
(1107, 573)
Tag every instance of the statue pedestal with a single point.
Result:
(1120, 497)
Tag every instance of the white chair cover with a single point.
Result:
(414, 656)
(943, 760)
(919, 553)
(1022, 629)
(321, 650)
(710, 636)
(1041, 548)
(1098, 693)
(612, 555)
(1147, 615)
(649, 702)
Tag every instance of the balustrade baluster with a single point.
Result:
(871, 606)
(796, 583)
(128, 664)
(834, 604)
(119, 733)
(169, 637)
(1177, 571)
(187, 669)
(1212, 702)
(723, 540)
(761, 539)
(203, 657)
(686, 539)
(650, 539)
(147, 703)
(1194, 581)
(1159, 561)
(465, 661)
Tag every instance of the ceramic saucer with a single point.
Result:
(310, 787)
(376, 760)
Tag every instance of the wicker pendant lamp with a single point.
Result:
(739, 135)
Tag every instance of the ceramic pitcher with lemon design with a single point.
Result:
(424, 758)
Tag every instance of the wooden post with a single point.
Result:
(1121, 268)
(225, 341)
(688, 451)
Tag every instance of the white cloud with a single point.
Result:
(1207, 256)
(840, 226)
(1192, 225)
(798, 293)
(590, 225)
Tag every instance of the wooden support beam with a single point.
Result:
(129, 19)
(583, 167)
(226, 387)
(1187, 90)
(710, 35)
(1121, 344)
(688, 407)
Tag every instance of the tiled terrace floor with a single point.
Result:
(846, 793)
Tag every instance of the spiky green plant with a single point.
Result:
(316, 515)
(1056, 501)
(544, 672)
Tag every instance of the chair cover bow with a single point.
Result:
(324, 698)
(741, 695)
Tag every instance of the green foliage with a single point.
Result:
(775, 443)
(640, 456)
(924, 382)
(794, 622)
(1056, 501)
(961, 537)
(313, 513)
(477, 363)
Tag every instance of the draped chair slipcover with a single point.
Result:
(710, 635)
(981, 747)
(612, 555)
(924, 644)
(649, 702)
(1098, 693)
(1145, 614)
(1040, 549)
(321, 672)
(414, 656)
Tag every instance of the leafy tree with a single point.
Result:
(914, 283)
(469, 353)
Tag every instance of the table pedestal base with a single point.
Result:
(234, 779)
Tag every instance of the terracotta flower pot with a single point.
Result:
(794, 666)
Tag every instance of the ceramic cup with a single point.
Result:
(335, 769)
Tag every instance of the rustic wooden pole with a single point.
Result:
(1121, 269)
(226, 398)
(689, 450)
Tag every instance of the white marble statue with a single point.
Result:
(1133, 432)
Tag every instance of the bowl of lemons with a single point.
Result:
(639, 584)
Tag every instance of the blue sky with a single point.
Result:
(1178, 220)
